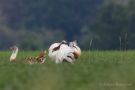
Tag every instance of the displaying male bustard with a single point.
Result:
(63, 51)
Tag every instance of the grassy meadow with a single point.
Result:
(95, 70)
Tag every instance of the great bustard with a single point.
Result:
(63, 51)
(30, 60)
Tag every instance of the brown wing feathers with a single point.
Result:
(38, 59)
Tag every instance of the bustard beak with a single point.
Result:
(11, 48)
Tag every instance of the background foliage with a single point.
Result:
(95, 70)
(35, 24)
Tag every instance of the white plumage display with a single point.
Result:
(60, 52)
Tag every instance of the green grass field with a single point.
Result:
(96, 70)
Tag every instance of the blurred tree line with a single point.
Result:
(95, 24)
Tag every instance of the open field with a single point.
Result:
(96, 70)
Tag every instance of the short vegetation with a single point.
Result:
(96, 70)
